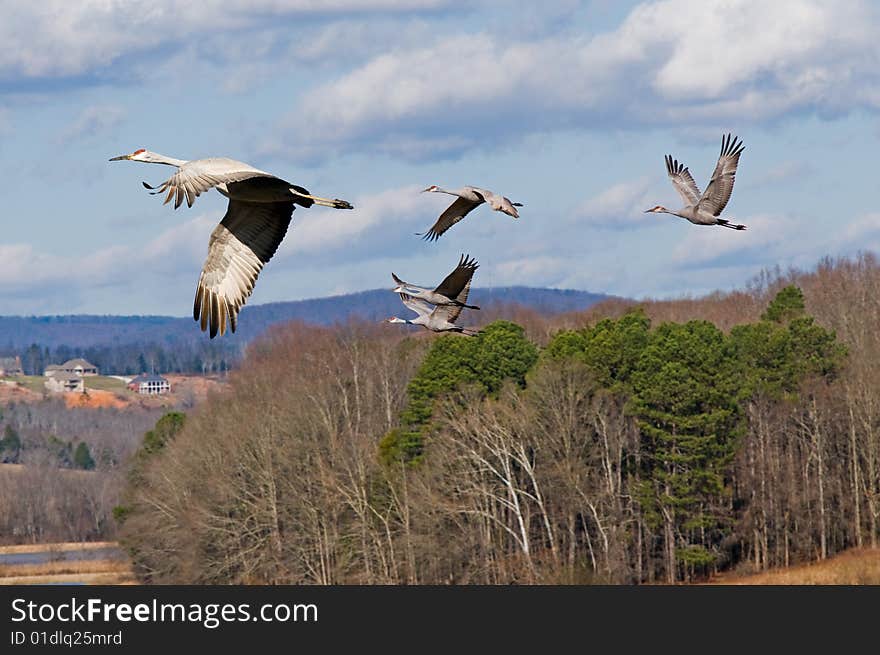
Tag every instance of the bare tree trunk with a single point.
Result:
(820, 473)
(856, 491)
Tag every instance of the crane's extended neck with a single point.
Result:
(437, 189)
(149, 157)
(156, 158)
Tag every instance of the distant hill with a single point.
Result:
(87, 331)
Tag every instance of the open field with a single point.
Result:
(16, 469)
(57, 547)
(853, 567)
(58, 570)
(87, 572)
(35, 383)
(104, 383)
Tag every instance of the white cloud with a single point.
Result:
(669, 63)
(27, 272)
(92, 121)
(377, 221)
(767, 240)
(791, 170)
(182, 246)
(57, 38)
(861, 234)
(620, 207)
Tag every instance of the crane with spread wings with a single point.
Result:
(451, 296)
(705, 208)
(469, 198)
(257, 217)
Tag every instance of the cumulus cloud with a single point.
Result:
(92, 121)
(621, 206)
(380, 226)
(668, 63)
(767, 241)
(863, 233)
(791, 170)
(27, 273)
(58, 39)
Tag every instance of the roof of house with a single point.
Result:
(78, 361)
(144, 378)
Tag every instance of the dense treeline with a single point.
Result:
(132, 358)
(128, 345)
(655, 443)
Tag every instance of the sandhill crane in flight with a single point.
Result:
(442, 317)
(447, 290)
(469, 197)
(257, 217)
(706, 208)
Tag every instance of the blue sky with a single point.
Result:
(567, 107)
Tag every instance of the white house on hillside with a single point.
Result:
(150, 383)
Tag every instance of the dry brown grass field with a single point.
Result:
(87, 572)
(853, 567)
(57, 547)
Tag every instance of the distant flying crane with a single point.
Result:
(441, 318)
(257, 217)
(447, 290)
(469, 197)
(706, 208)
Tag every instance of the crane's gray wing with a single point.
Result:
(453, 214)
(683, 181)
(239, 247)
(420, 307)
(198, 176)
(717, 193)
(399, 282)
(452, 312)
(459, 278)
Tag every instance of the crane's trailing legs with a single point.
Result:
(336, 203)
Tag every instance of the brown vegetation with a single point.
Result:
(94, 399)
(41, 503)
(112, 572)
(859, 566)
(58, 570)
(282, 479)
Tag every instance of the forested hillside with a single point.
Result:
(133, 344)
(628, 444)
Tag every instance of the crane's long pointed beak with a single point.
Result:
(120, 158)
